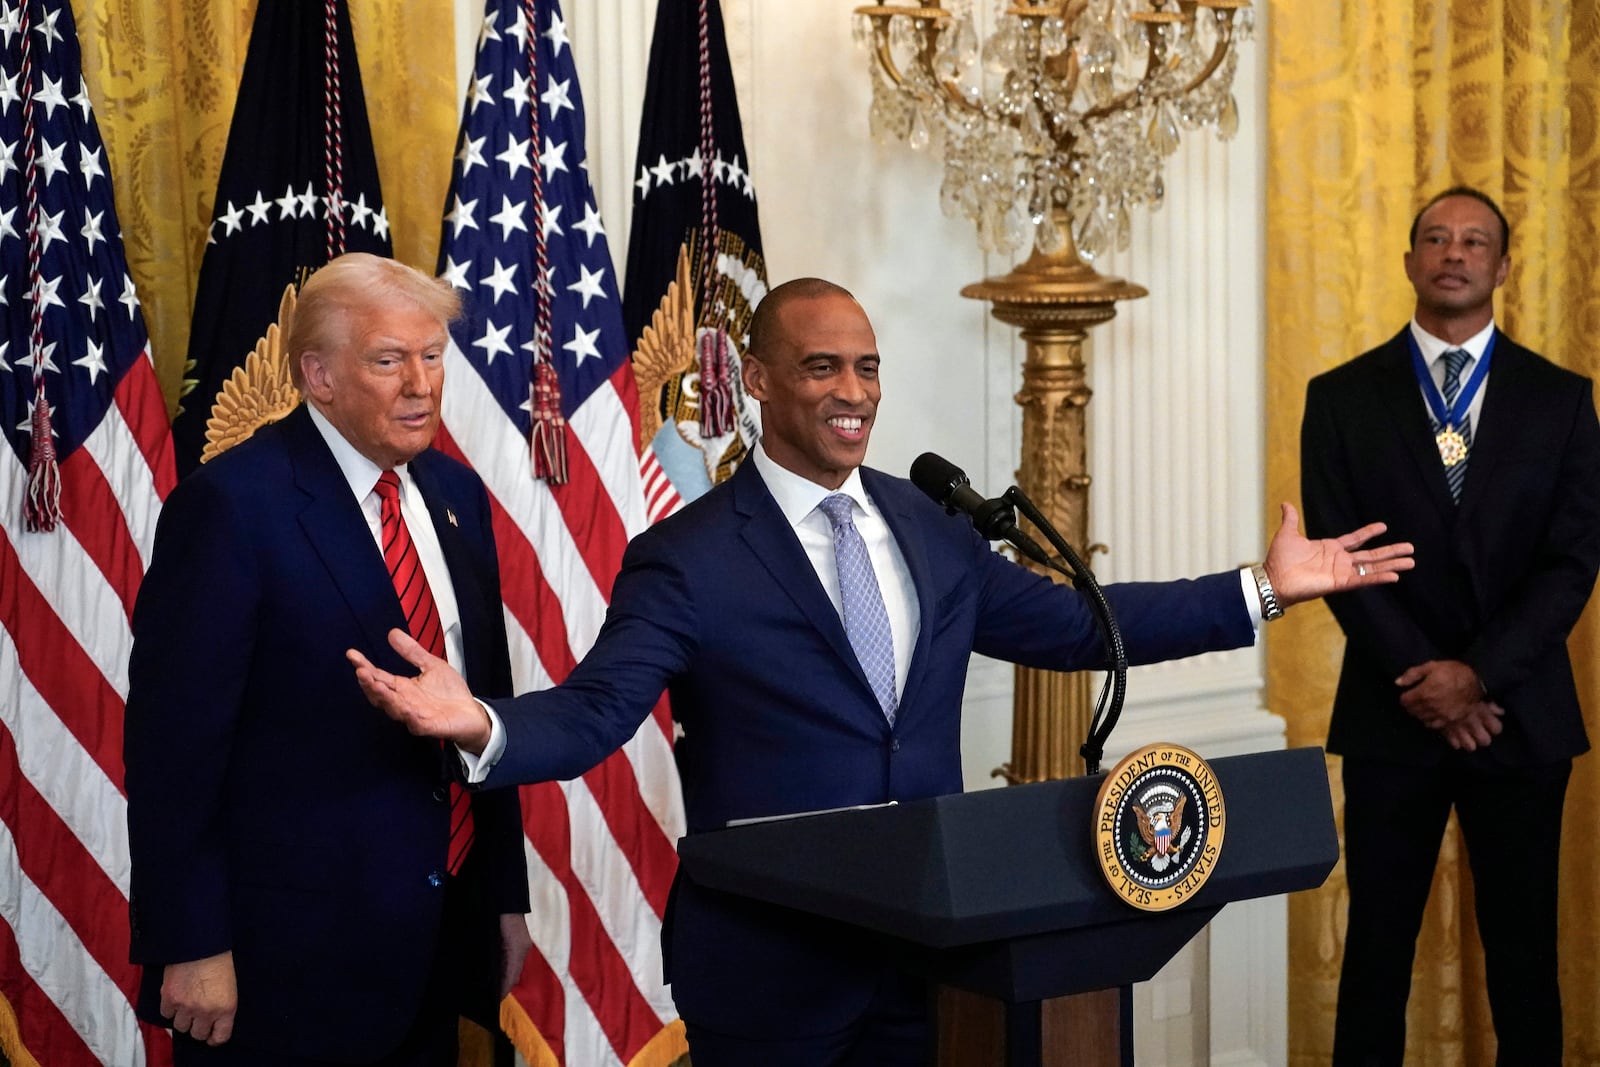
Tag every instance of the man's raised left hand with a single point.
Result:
(1302, 569)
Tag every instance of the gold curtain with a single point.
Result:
(163, 75)
(1373, 106)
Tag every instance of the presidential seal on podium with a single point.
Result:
(1159, 821)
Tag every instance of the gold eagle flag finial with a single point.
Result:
(259, 391)
(666, 347)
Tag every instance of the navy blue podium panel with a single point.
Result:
(999, 891)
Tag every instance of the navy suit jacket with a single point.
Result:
(720, 605)
(271, 810)
(1500, 580)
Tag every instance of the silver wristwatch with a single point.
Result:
(1270, 608)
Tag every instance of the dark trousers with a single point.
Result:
(433, 1039)
(433, 1042)
(894, 1032)
(1394, 820)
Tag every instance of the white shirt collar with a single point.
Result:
(798, 497)
(1433, 347)
(358, 470)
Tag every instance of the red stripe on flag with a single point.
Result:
(138, 397)
(68, 876)
(540, 985)
(157, 1044)
(662, 714)
(627, 387)
(90, 509)
(653, 858)
(46, 1033)
(600, 973)
(660, 495)
(523, 589)
(627, 1018)
(65, 676)
(591, 516)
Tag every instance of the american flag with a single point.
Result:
(524, 243)
(695, 270)
(70, 321)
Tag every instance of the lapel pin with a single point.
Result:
(450, 517)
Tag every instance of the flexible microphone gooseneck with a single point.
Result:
(949, 487)
(1106, 711)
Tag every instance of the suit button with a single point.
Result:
(441, 794)
(435, 879)
(894, 745)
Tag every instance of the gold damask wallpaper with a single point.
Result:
(1372, 107)
(163, 75)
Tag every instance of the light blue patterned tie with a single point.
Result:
(1455, 361)
(866, 621)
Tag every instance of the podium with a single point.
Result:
(998, 894)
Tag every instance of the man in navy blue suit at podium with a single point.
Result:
(812, 620)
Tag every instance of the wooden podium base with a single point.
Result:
(1085, 1030)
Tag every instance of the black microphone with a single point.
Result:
(949, 487)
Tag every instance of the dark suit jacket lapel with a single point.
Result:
(1503, 410)
(899, 511)
(768, 533)
(335, 527)
(1402, 398)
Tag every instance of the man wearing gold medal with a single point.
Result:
(1456, 690)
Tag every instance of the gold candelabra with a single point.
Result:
(1053, 128)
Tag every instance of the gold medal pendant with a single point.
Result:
(1452, 446)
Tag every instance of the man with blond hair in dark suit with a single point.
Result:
(307, 888)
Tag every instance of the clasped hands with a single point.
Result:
(1448, 696)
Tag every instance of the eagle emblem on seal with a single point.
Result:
(1160, 819)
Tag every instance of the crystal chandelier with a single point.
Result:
(1060, 122)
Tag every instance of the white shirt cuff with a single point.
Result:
(1252, 598)
(478, 766)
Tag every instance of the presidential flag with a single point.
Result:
(540, 400)
(695, 270)
(87, 462)
(299, 185)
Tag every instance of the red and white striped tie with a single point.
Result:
(422, 620)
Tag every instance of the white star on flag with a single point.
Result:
(493, 341)
(588, 285)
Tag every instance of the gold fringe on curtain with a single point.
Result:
(1373, 107)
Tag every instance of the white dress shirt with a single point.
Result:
(798, 498)
(1433, 350)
